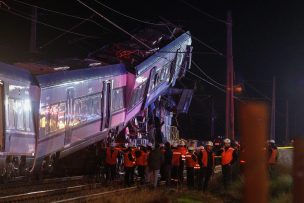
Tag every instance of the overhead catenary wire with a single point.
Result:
(62, 13)
(203, 12)
(64, 33)
(130, 17)
(257, 91)
(202, 71)
(114, 24)
(48, 25)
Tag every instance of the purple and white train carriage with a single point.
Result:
(47, 110)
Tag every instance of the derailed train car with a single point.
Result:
(61, 108)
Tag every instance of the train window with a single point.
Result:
(61, 116)
(117, 99)
(19, 115)
(53, 118)
(137, 95)
(87, 109)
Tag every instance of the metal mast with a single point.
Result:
(230, 79)
(273, 107)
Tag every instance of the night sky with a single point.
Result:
(267, 41)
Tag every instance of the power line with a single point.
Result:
(64, 33)
(257, 91)
(195, 38)
(130, 17)
(48, 25)
(114, 24)
(203, 12)
(63, 14)
(210, 78)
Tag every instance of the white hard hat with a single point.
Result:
(161, 145)
(191, 148)
(227, 141)
(272, 141)
(201, 147)
(175, 144)
(150, 144)
(182, 143)
(126, 144)
(209, 143)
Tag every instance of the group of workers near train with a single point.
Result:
(170, 161)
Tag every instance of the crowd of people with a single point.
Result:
(169, 162)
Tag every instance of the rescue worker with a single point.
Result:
(229, 157)
(141, 162)
(129, 163)
(162, 167)
(167, 163)
(176, 159)
(190, 164)
(155, 160)
(272, 157)
(206, 162)
(183, 150)
(111, 161)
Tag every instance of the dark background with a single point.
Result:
(267, 41)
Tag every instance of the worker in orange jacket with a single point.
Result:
(272, 157)
(111, 161)
(229, 157)
(183, 150)
(176, 159)
(129, 164)
(191, 161)
(206, 162)
(141, 156)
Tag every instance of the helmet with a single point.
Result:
(191, 148)
(227, 141)
(161, 145)
(209, 143)
(182, 143)
(150, 144)
(201, 147)
(272, 141)
(113, 144)
(126, 144)
(175, 144)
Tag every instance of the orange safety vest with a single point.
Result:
(273, 157)
(142, 159)
(189, 161)
(111, 156)
(205, 158)
(127, 161)
(227, 156)
(176, 157)
(183, 151)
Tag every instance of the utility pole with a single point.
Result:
(287, 124)
(273, 109)
(33, 49)
(230, 79)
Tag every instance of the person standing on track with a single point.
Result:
(229, 157)
(155, 160)
(129, 164)
(206, 162)
(111, 161)
(168, 163)
(141, 162)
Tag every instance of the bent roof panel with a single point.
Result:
(15, 73)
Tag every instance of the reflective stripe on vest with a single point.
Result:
(189, 161)
(111, 157)
(273, 157)
(127, 161)
(176, 157)
(227, 156)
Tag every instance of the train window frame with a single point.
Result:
(118, 97)
(137, 95)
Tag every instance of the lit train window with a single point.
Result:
(117, 99)
(137, 95)
(87, 109)
(19, 115)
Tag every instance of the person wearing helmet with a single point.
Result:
(141, 162)
(155, 160)
(191, 161)
(183, 150)
(111, 162)
(206, 162)
(176, 159)
(229, 157)
(129, 164)
(272, 157)
(167, 163)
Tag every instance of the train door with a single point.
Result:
(69, 116)
(106, 104)
(1, 116)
